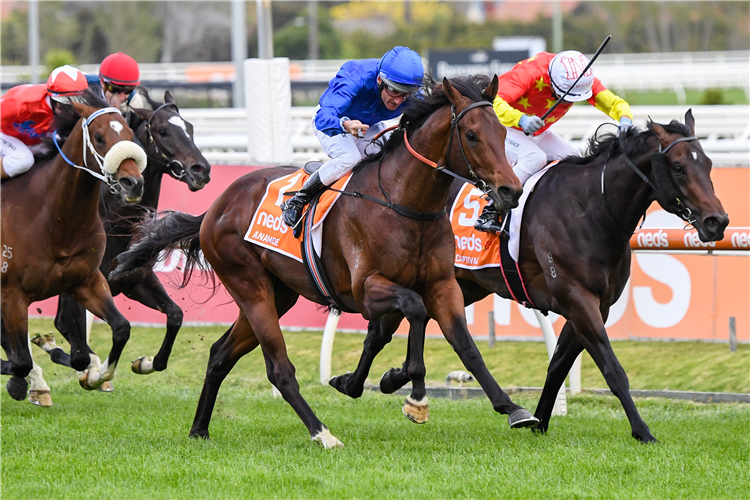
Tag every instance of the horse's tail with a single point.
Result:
(156, 236)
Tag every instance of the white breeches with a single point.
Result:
(529, 154)
(345, 152)
(17, 157)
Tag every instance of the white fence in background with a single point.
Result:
(724, 131)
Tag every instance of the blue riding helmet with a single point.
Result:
(401, 68)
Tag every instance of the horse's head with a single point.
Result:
(169, 143)
(682, 175)
(109, 151)
(481, 141)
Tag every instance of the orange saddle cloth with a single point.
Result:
(267, 228)
(474, 249)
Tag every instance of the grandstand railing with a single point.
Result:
(221, 133)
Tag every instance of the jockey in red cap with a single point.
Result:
(118, 77)
(27, 112)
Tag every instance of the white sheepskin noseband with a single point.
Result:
(120, 152)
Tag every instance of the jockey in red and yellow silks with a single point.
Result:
(525, 93)
(26, 113)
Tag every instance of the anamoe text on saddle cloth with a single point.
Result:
(267, 228)
(474, 249)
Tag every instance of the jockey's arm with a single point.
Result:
(613, 105)
(507, 114)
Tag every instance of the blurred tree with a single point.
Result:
(56, 58)
(291, 40)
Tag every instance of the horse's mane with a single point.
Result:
(65, 119)
(635, 141)
(431, 98)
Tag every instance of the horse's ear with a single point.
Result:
(690, 121)
(83, 110)
(453, 95)
(143, 114)
(168, 97)
(661, 134)
(491, 90)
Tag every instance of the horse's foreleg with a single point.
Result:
(70, 321)
(589, 325)
(39, 393)
(445, 304)
(151, 293)
(96, 297)
(379, 333)
(15, 330)
(237, 341)
(567, 350)
(383, 297)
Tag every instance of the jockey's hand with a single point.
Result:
(356, 128)
(625, 124)
(531, 123)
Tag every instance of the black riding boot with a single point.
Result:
(293, 208)
(489, 220)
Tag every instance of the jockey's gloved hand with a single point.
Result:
(625, 124)
(531, 123)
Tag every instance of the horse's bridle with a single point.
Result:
(659, 168)
(180, 171)
(476, 181)
(105, 176)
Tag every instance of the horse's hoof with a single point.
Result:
(90, 381)
(416, 411)
(522, 418)
(43, 340)
(40, 398)
(388, 384)
(17, 388)
(106, 387)
(199, 434)
(327, 439)
(339, 382)
(143, 365)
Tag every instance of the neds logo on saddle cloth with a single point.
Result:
(267, 228)
(474, 249)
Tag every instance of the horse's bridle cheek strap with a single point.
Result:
(122, 151)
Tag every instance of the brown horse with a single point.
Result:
(52, 236)
(169, 145)
(575, 254)
(378, 261)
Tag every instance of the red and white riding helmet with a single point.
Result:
(564, 69)
(64, 82)
(120, 69)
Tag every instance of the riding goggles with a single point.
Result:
(118, 89)
(392, 92)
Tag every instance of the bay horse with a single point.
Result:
(170, 148)
(378, 261)
(52, 236)
(574, 253)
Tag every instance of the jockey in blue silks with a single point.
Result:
(360, 97)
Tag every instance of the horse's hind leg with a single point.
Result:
(379, 333)
(151, 293)
(70, 321)
(567, 350)
(237, 341)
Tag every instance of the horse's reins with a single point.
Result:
(106, 177)
(415, 214)
(177, 174)
(681, 211)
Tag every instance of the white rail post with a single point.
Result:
(561, 404)
(326, 346)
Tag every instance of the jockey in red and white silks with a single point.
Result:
(26, 113)
(526, 92)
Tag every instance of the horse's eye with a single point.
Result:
(471, 136)
(99, 138)
(678, 169)
(162, 131)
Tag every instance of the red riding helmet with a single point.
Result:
(66, 81)
(120, 69)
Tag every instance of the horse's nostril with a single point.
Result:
(127, 183)
(196, 169)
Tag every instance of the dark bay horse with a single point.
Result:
(575, 254)
(169, 143)
(52, 237)
(378, 261)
